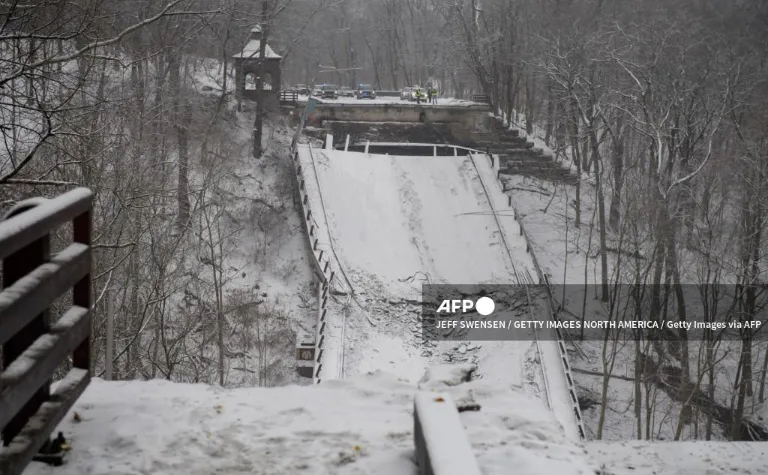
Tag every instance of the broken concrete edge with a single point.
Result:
(442, 445)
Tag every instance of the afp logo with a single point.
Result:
(484, 306)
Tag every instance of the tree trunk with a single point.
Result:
(258, 124)
(550, 113)
(182, 120)
(618, 174)
(530, 115)
(605, 291)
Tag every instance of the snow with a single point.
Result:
(443, 101)
(362, 425)
(683, 458)
(252, 50)
(415, 200)
(444, 376)
(72, 203)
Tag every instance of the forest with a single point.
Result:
(660, 106)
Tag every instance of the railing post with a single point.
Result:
(81, 292)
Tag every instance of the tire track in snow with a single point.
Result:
(412, 208)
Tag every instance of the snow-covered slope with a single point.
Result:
(362, 425)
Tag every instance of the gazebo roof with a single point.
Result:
(251, 51)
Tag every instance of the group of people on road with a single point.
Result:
(431, 95)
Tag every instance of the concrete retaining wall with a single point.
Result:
(442, 446)
(464, 122)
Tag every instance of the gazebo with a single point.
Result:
(247, 67)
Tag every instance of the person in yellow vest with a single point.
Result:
(433, 94)
(419, 96)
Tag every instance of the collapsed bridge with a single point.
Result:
(380, 226)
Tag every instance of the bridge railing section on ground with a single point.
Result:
(34, 345)
(320, 264)
(543, 279)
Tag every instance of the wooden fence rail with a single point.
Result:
(288, 96)
(33, 345)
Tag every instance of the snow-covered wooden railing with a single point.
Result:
(33, 346)
(321, 266)
(442, 445)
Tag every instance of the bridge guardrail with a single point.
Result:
(33, 345)
(320, 265)
(543, 279)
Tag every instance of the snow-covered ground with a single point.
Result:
(355, 426)
(683, 458)
(362, 425)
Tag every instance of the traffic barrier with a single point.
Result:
(320, 265)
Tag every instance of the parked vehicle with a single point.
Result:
(318, 91)
(366, 92)
(405, 94)
(329, 92)
(346, 92)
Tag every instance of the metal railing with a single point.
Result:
(34, 346)
(320, 264)
(566, 367)
(288, 96)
